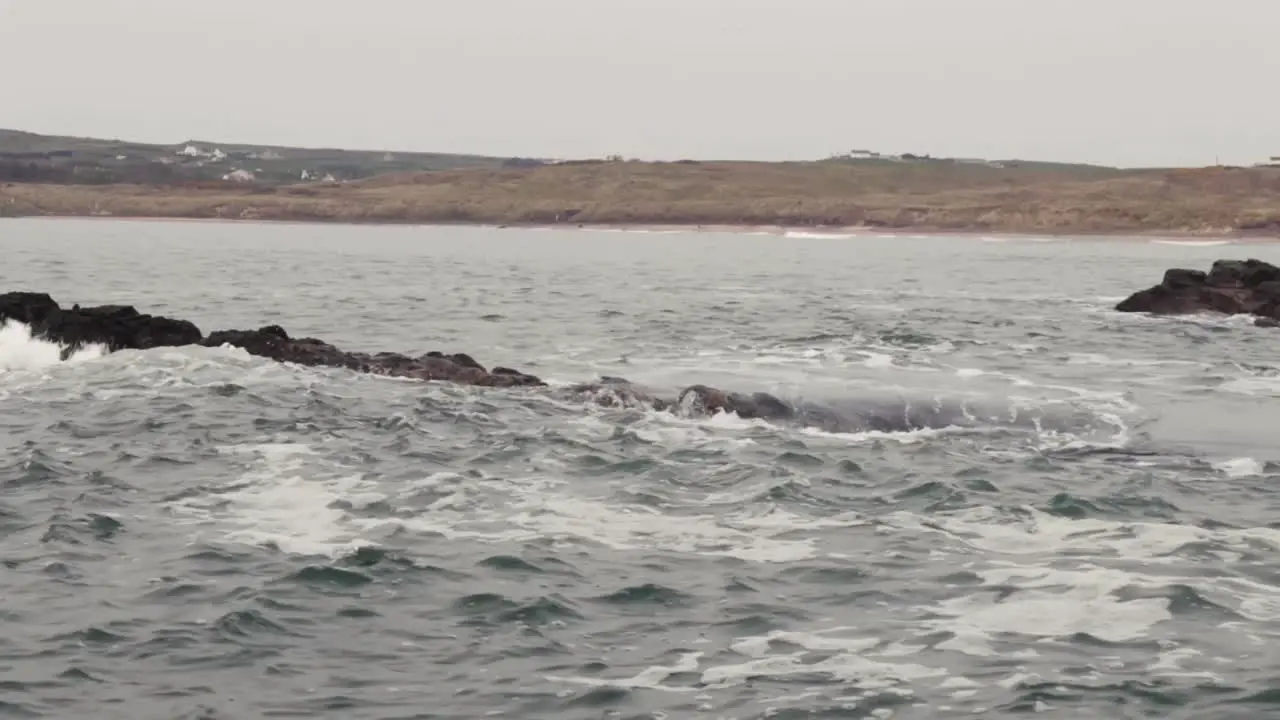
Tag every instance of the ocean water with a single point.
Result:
(197, 533)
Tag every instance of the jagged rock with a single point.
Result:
(1232, 287)
(26, 307)
(122, 327)
(118, 327)
(273, 342)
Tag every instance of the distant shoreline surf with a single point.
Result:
(1168, 237)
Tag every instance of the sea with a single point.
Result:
(197, 533)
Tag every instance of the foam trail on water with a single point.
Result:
(802, 235)
(20, 351)
(1192, 243)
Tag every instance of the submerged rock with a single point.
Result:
(615, 392)
(702, 399)
(1232, 287)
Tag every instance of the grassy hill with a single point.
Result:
(909, 193)
(29, 157)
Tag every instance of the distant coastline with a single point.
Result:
(796, 232)
(834, 196)
(1050, 215)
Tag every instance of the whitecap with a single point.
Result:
(802, 235)
(851, 660)
(1258, 386)
(1192, 243)
(650, 678)
(1050, 603)
(1239, 467)
(276, 502)
(876, 360)
(19, 351)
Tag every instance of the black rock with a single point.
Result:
(26, 307)
(1231, 287)
(118, 327)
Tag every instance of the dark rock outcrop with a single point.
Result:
(1232, 287)
(273, 342)
(26, 307)
(122, 327)
(118, 327)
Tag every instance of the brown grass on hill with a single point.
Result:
(919, 196)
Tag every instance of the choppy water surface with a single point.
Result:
(195, 533)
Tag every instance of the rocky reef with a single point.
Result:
(1232, 287)
(122, 327)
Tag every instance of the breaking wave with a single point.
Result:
(20, 351)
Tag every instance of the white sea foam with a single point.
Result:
(1192, 243)
(1239, 467)
(562, 517)
(308, 508)
(21, 352)
(987, 531)
(803, 235)
(1050, 603)
(906, 437)
(867, 673)
(1068, 575)
(1106, 360)
(649, 679)
(849, 659)
(1262, 386)
(289, 497)
(876, 360)
(275, 502)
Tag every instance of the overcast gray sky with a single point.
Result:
(1129, 82)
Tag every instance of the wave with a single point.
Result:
(19, 351)
(802, 235)
(1193, 243)
(923, 411)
